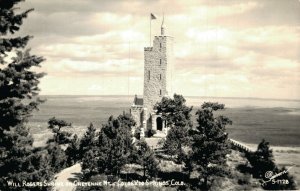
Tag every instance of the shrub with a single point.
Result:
(150, 133)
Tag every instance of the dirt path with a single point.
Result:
(64, 180)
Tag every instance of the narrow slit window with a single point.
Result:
(159, 61)
(159, 92)
(159, 76)
(160, 45)
(148, 74)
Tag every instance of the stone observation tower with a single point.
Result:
(157, 83)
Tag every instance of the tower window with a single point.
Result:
(148, 74)
(159, 61)
(160, 45)
(159, 76)
(159, 92)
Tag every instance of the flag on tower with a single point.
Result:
(152, 16)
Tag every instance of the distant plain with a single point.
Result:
(277, 121)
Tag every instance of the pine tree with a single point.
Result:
(18, 83)
(209, 144)
(60, 136)
(262, 160)
(72, 151)
(174, 111)
(88, 140)
(147, 159)
(113, 149)
(58, 157)
(178, 117)
(19, 161)
(263, 163)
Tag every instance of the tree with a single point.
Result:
(22, 162)
(147, 159)
(58, 158)
(19, 161)
(209, 144)
(113, 149)
(88, 140)
(72, 151)
(178, 117)
(262, 160)
(263, 163)
(17, 80)
(174, 111)
(60, 136)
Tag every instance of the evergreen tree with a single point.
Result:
(262, 160)
(22, 162)
(209, 144)
(174, 111)
(147, 159)
(19, 161)
(88, 140)
(178, 117)
(113, 149)
(263, 163)
(17, 80)
(93, 162)
(72, 151)
(58, 157)
(59, 136)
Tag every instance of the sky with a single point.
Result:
(222, 48)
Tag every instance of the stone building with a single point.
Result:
(157, 84)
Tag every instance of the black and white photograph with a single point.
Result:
(150, 95)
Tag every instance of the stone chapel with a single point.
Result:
(157, 84)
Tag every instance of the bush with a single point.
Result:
(150, 133)
(137, 133)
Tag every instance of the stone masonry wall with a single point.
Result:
(136, 112)
(156, 87)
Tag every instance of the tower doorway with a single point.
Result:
(159, 123)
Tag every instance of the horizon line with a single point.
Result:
(226, 97)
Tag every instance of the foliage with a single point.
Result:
(178, 117)
(147, 159)
(176, 137)
(150, 132)
(92, 162)
(137, 133)
(58, 158)
(114, 148)
(88, 140)
(72, 151)
(174, 111)
(22, 162)
(17, 81)
(59, 136)
(282, 182)
(19, 161)
(209, 144)
(262, 161)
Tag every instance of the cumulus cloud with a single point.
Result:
(222, 48)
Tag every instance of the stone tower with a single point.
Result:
(157, 82)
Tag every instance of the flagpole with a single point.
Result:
(150, 29)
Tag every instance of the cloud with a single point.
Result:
(222, 48)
